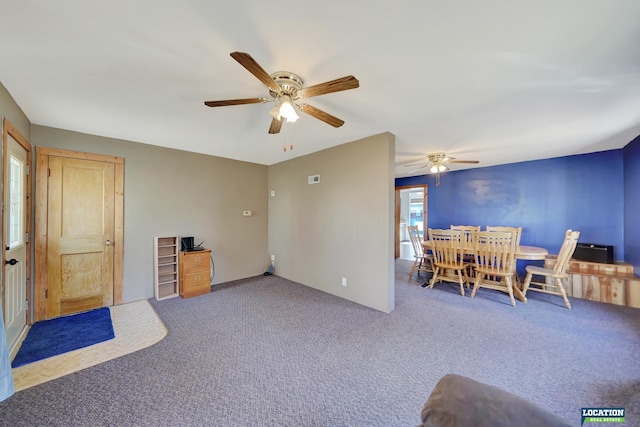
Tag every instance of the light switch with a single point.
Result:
(246, 213)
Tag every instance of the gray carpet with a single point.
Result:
(269, 352)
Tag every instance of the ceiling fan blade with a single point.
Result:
(417, 164)
(470, 162)
(254, 68)
(321, 115)
(227, 102)
(343, 83)
(275, 126)
(416, 170)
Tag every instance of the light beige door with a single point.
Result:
(80, 235)
(14, 231)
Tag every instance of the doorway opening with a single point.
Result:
(411, 209)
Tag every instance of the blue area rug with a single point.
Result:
(63, 334)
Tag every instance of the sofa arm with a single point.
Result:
(458, 401)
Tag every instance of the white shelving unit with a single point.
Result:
(165, 260)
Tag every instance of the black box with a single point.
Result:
(594, 253)
(187, 243)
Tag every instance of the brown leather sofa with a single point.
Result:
(458, 401)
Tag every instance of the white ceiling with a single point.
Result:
(499, 81)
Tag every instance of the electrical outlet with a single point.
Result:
(273, 258)
(344, 281)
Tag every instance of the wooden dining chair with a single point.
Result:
(467, 233)
(494, 252)
(422, 260)
(517, 232)
(447, 248)
(467, 243)
(554, 276)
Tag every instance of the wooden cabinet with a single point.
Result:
(194, 273)
(165, 262)
(611, 283)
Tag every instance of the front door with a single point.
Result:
(15, 229)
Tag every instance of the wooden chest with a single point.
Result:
(612, 283)
(194, 273)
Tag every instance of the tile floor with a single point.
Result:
(136, 326)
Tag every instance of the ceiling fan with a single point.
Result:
(437, 163)
(287, 89)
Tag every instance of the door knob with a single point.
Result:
(12, 261)
(108, 243)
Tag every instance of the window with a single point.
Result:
(16, 185)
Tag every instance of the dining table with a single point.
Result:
(523, 252)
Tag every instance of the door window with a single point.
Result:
(16, 203)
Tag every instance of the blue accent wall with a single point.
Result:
(632, 203)
(545, 197)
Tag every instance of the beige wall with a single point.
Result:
(340, 227)
(176, 192)
(12, 111)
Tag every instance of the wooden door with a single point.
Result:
(15, 232)
(80, 231)
(83, 238)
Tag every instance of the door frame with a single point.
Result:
(9, 130)
(41, 214)
(397, 212)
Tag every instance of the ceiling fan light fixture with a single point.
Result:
(275, 112)
(438, 168)
(286, 110)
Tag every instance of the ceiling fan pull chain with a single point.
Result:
(290, 132)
